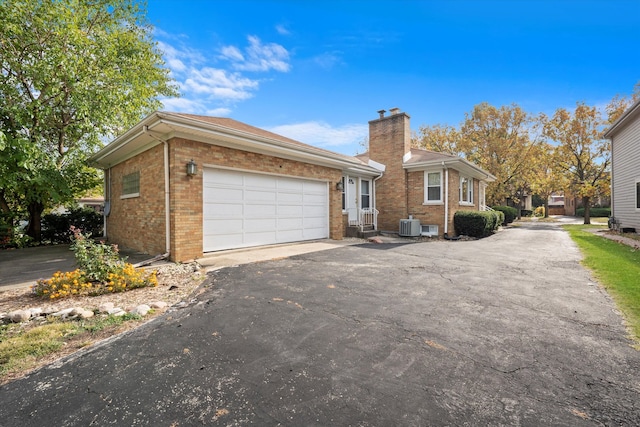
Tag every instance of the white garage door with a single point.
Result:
(244, 209)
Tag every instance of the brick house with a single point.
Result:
(187, 185)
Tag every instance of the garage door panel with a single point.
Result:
(244, 209)
(225, 177)
(290, 224)
(285, 197)
(259, 210)
(255, 195)
(261, 224)
(291, 184)
(222, 210)
(290, 211)
(313, 198)
(260, 181)
(290, 235)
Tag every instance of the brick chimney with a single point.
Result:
(389, 141)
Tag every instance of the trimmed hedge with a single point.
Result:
(510, 214)
(56, 228)
(595, 212)
(476, 223)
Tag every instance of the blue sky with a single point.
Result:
(318, 71)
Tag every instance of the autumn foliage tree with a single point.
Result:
(498, 139)
(72, 73)
(582, 154)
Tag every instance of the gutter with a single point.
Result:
(167, 195)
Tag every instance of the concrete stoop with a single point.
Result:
(368, 231)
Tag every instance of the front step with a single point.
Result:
(354, 231)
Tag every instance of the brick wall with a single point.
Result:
(434, 214)
(126, 223)
(138, 223)
(389, 140)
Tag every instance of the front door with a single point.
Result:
(351, 197)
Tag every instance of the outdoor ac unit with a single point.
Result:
(410, 227)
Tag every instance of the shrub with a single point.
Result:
(96, 259)
(56, 227)
(595, 212)
(526, 212)
(539, 211)
(499, 218)
(510, 213)
(475, 223)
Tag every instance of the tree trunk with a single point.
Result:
(35, 218)
(587, 209)
(546, 208)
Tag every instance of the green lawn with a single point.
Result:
(617, 268)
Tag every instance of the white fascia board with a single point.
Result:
(376, 165)
(458, 164)
(170, 125)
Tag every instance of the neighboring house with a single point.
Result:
(556, 204)
(186, 185)
(624, 134)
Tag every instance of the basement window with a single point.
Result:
(131, 185)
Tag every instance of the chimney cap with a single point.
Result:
(381, 112)
(394, 110)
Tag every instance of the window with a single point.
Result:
(433, 187)
(466, 190)
(365, 196)
(638, 193)
(131, 185)
(344, 198)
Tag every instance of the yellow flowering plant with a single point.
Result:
(101, 271)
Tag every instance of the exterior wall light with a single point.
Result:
(192, 168)
(339, 185)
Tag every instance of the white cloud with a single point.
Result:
(183, 105)
(327, 60)
(219, 112)
(232, 53)
(258, 56)
(219, 84)
(209, 86)
(323, 134)
(282, 30)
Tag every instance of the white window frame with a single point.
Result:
(426, 188)
(637, 190)
(363, 194)
(468, 200)
(133, 176)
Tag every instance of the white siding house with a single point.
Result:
(625, 168)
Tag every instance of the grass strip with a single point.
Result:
(617, 268)
(22, 349)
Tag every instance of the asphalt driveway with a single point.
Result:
(508, 330)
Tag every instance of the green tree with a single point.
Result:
(583, 156)
(72, 74)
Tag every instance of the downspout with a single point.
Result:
(446, 200)
(167, 199)
(375, 204)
